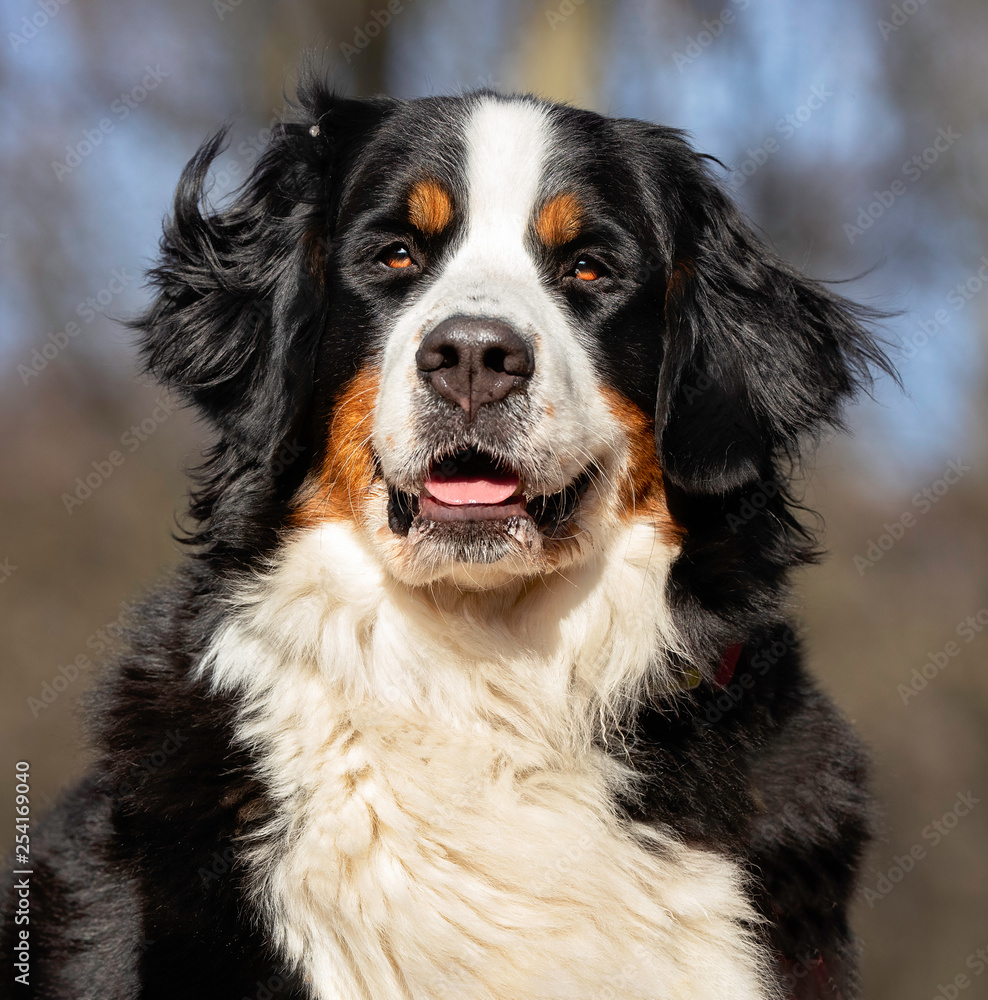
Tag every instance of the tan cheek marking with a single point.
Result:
(559, 221)
(430, 208)
(641, 491)
(338, 489)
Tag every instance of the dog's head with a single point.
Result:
(488, 331)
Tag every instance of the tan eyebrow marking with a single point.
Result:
(559, 221)
(430, 208)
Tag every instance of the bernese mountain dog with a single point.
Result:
(481, 680)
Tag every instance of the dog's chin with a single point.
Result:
(487, 536)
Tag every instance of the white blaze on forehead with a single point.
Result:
(507, 144)
(492, 274)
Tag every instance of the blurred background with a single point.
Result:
(853, 133)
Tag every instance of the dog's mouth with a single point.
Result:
(475, 488)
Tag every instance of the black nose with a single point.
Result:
(473, 361)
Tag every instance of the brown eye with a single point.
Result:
(587, 269)
(397, 256)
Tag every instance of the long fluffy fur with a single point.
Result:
(316, 780)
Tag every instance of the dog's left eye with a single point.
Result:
(397, 256)
(587, 269)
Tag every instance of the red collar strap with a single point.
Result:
(693, 677)
(812, 981)
(728, 664)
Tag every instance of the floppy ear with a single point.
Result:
(239, 309)
(756, 354)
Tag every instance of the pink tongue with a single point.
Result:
(472, 489)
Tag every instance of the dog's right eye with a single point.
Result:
(397, 256)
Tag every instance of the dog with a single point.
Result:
(481, 679)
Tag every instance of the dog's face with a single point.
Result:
(502, 329)
(500, 282)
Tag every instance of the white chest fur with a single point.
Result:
(444, 821)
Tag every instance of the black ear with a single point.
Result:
(756, 355)
(240, 309)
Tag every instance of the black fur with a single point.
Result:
(262, 314)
